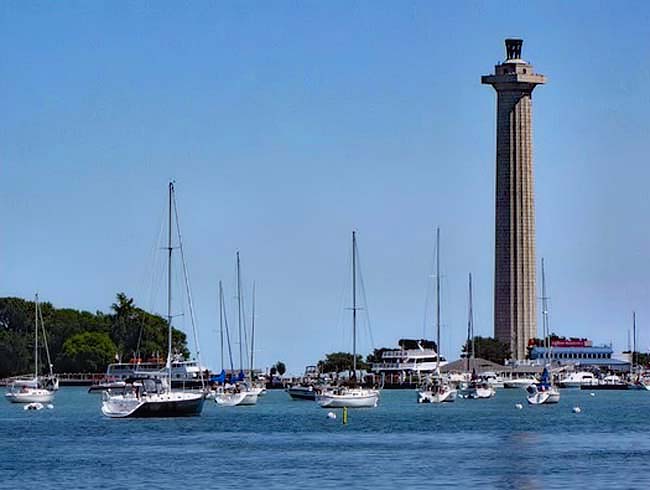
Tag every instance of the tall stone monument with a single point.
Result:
(515, 318)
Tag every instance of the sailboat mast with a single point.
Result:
(470, 325)
(169, 287)
(253, 331)
(633, 337)
(354, 304)
(221, 323)
(36, 336)
(239, 313)
(438, 300)
(547, 340)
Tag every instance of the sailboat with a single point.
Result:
(151, 396)
(476, 388)
(436, 389)
(544, 392)
(36, 389)
(350, 396)
(239, 392)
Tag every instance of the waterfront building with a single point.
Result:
(515, 319)
(580, 353)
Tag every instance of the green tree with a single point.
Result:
(88, 352)
(280, 368)
(489, 348)
(376, 355)
(340, 361)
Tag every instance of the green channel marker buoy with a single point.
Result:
(345, 415)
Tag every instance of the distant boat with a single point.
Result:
(237, 391)
(435, 388)
(544, 392)
(578, 380)
(148, 395)
(353, 396)
(36, 389)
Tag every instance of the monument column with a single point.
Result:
(515, 318)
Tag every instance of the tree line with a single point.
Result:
(81, 341)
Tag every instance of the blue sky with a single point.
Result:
(288, 124)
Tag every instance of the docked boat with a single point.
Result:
(519, 383)
(611, 382)
(435, 388)
(37, 388)
(578, 380)
(151, 394)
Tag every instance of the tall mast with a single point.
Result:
(633, 337)
(36, 336)
(221, 324)
(169, 287)
(470, 324)
(241, 355)
(547, 340)
(438, 300)
(354, 304)
(253, 331)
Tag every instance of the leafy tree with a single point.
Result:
(340, 361)
(489, 348)
(129, 328)
(88, 352)
(375, 357)
(280, 368)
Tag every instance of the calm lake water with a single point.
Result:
(282, 443)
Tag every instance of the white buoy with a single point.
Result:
(518, 406)
(49, 406)
(577, 410)
(592, 394)
(331, 415)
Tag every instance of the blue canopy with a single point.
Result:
(219, 378)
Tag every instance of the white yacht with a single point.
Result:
(183, 372)
(579, 379)
(476, 389)
(35, 389)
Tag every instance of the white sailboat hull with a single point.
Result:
(30, 395)
(430, 396)
(350, 399)
(544, 397)
(229, 399)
